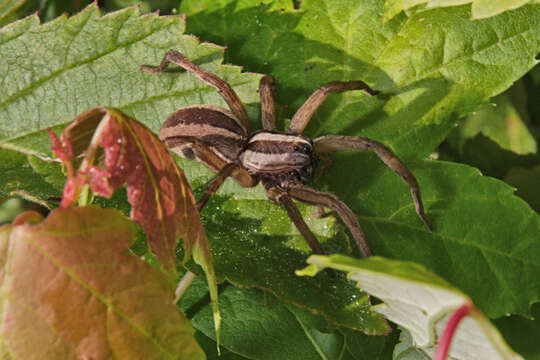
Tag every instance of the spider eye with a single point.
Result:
(296, 148)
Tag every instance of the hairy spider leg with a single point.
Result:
(280, 196)
(268, 107)
(224, 89)
(310, 196)
(330, 143)
(230, 169)
(303, 115)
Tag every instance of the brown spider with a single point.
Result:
(283, 162)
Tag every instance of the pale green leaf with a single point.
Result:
(479, 8)
(53, 72)
(421, 302)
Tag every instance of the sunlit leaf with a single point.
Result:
(479, 8)
(421, 302)
(71, 290)
(432, 67)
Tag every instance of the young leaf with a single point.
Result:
(480, 8)
(72, 290)
(420, 301)
(160, 196)
(432, 67)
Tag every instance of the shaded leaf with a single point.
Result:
(7, 10)
(421, 302)
(506, 122)
(486, 155)
(157, 189)
(406, 350)
(485, 238)
(19, 177)
(51, 9)
(432, 68)
(522, 334)
(527, 183)
(479, 9)
(71, 290)
(257, 326)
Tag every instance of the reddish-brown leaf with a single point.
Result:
(118, 150)
(71, 290)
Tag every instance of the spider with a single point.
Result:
(283, 162)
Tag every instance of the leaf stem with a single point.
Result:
(183, 285)
(451, 326)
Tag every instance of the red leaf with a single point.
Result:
(159, 193)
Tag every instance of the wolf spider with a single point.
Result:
(283, 162)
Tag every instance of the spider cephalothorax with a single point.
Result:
(285, 159)
(283, 162)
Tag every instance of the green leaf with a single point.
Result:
(258, 326)
(479, 9)
(432, 68)
(421, 302)
(7, 10)
(20, 177)
(255, 244)
(486, 155)
(251, 238)
(53, 72)
(88, 60)
(435, 67)
(526, 182)
(485, 238)
(506, 122)
(406, 350)
(522, 334)
(71, 290)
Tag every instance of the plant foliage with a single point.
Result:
(433, 66)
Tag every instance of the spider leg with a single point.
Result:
(223, 168)
(280, 196)
(224, 89)
(268, 107)
(329, 143)
(314, 197)
(306, 111)
(217, 181)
